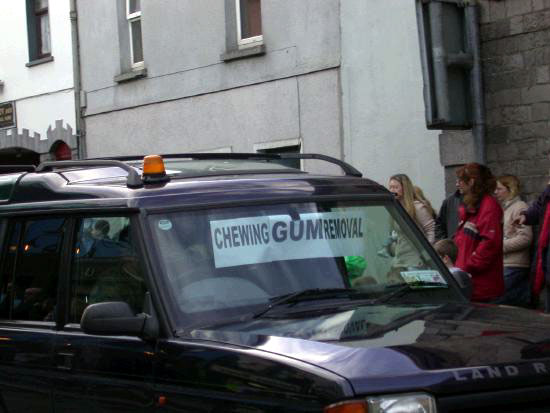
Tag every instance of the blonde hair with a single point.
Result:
(419, 196)
(511, 183)
(408, 193)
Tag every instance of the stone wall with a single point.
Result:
(515, 49)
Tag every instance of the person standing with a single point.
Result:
(403, 189)
(479, 233)
(539, 213)
(446, 221)
(517, 240)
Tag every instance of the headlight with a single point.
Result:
(405, 403)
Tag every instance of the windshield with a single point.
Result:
(228, 262)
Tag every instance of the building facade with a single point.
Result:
(37, 94)
(515, 50)
(326, 76)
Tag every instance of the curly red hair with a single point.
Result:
(484, 182)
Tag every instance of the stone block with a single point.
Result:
(540, 38)
(515, 26)
(527, 149)
(538, 5)
(450, 179)
(543, 56)
(513, 62)
(529, 130)
(507, 151)
(531, 167)
(540, 111)
(536, 21)
(542, 74)
(517, 7)
(485, 11)
(456, 147)
(497, 134)
(530, 57)
(491, 152)
(543, 146)
(535, 94)
(498, 10)
(516, 114)
(494, 117)
(508, 80)
(503, 168)
(508, 97)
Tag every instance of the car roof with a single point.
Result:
(191, 179)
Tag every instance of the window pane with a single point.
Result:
(6, 286)
(40, 4)
(251, 18)
(137, 47)
(134, 6)
(45, 46)
(105, 266)
(38, 257)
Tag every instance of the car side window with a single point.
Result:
(30, 270)
(105, 266)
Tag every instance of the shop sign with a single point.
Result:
(7, 115)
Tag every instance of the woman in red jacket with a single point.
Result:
(479, 234)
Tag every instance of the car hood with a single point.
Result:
(402, 348)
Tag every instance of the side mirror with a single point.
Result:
(112, 318)
(464, 281)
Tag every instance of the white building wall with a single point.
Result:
(43, 93)
(383, 110)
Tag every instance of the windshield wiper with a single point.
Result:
(401, 289)
(309, 294)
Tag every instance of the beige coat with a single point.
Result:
(425, 220)
(517, 240)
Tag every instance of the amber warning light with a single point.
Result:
(153, 169)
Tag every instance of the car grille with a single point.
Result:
(527, 400)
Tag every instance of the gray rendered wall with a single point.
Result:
(191, 100)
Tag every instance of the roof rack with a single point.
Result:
(347, 168)
(16, 168)
(133, 181)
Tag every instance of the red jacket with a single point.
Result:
(479, 242)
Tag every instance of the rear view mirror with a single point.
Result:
(112, 318)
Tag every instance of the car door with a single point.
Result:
(31, 262)
(103, 373)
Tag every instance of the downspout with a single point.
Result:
(79, 120)
(476, 78)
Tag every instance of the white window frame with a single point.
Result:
(132, 17)
(248, 41)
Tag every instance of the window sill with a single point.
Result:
(131, 75)
(243, 53)
(40, 61)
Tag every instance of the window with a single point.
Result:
(133, 15)
(28, 285)
(249, 22)
(38, 28)
(105, 266)
(243, 29)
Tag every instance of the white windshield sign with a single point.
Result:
(257, 240)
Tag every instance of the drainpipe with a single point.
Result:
(79, 120)
(478, 114)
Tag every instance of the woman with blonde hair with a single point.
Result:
(403, 189)
(517, 242)
(419, 196)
